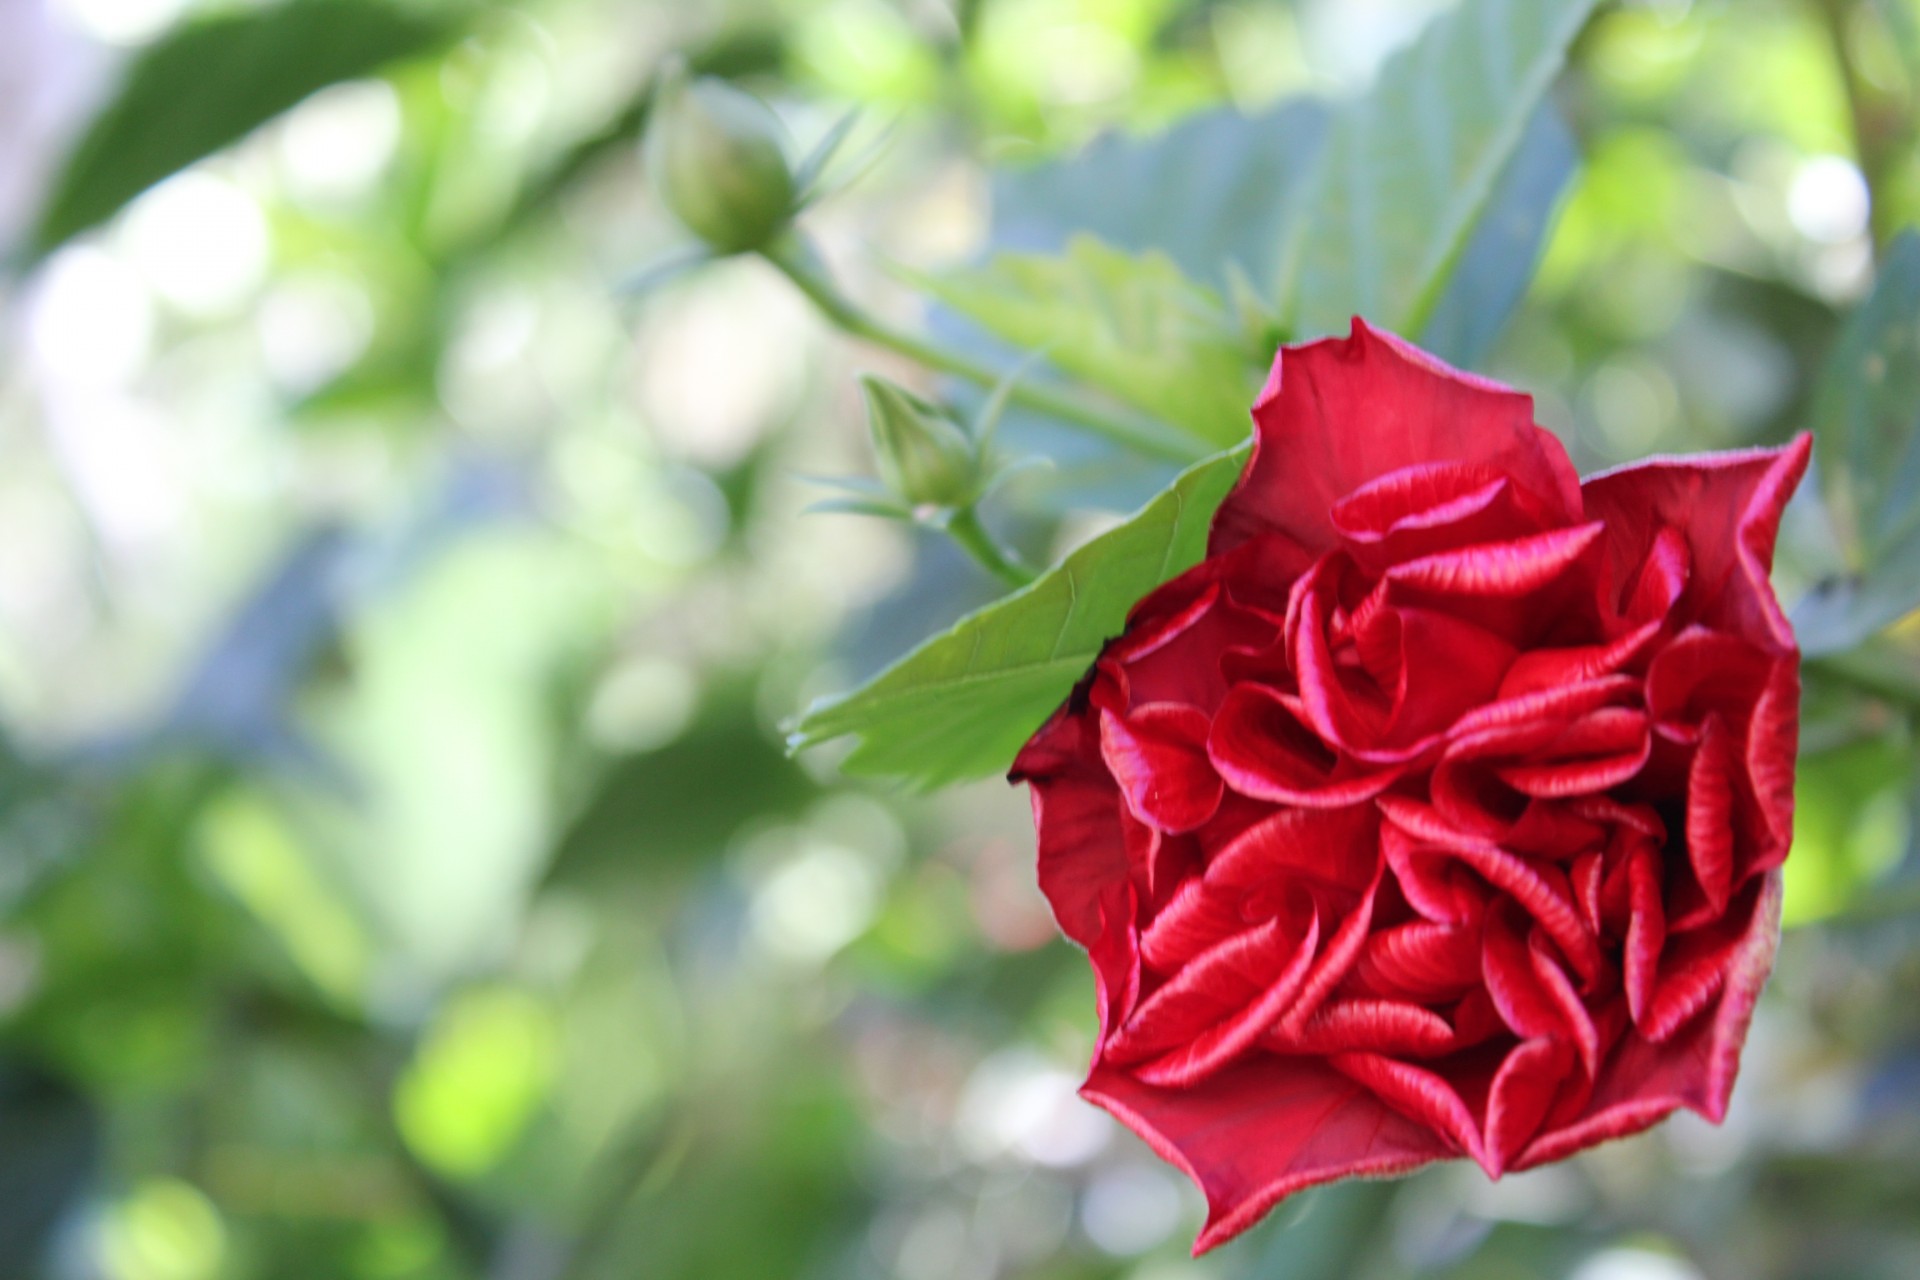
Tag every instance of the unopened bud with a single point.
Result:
(716, 158)
(922, 455)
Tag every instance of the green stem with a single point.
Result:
(964, 527)
(797, 262)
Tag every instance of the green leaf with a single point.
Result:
(1410, 167)
(1213, 190)
(1852, 820)
(211, 82)
(1488, 282)
(960, 705)
(1902, 21)
(1866, 418)
(1134, 326)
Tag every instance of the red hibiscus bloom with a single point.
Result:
(1439, 811)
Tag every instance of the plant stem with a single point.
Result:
(964, 527)
(795, 260)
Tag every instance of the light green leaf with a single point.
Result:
(1411, 166)
(1866, 419)
(211, 82)
(960, 705)
(1134, 326)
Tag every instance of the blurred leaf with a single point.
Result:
(127, 940)
(683, 801)
(1218, 193)
(1213, 190)
(209, 83)
(46, 1163)
(482, 1069)
(449, 731)
(764, 1185)
(1852, 823)
(1409, 169)
(1866, 419)
(961, 704)
(1319, 1234)
(1134, 326)
(1498, 263)
(1902, 21)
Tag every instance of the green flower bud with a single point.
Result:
(922, 455)
(716, 157)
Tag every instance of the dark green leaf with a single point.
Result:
(1134, 326)
(1866, 418)
(211, 82)
(1410, 167)
(961, 704)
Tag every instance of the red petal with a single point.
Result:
(1543, 669)
(1182, 661)
(1523, 1092)
(1575, 1020)
(1262, 750)
(1077, 822)
(1391, 1027)
(1547, 705)
(1423, 497)
(1728, 507)
(1215, 989)
(1600, 750)
(1418, 1094)
(1198, 916)
(1339, 413)
(1693, 966)
(1163, 616)
(1158, 755)
(1264, 1129)
(1662, 579)
(1435, 885)
(1643, 1081)
(1335, 847)
(1646, 929)
(1773, 739)
(1346, 717)
(1342, 953)
(1710, 816)
(1421, 962)
(1200, 1054)
(1437, 668)
(1524, 1004)
(1702, 672)
(1432, 507)
(1540, 888)
(1498, 568)
(1116, 962)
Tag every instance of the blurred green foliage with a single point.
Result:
(401, 869)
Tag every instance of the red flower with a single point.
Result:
(1439, 811)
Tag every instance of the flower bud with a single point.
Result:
(922, 455)
(716, 157)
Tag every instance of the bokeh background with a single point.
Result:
(401, 871)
